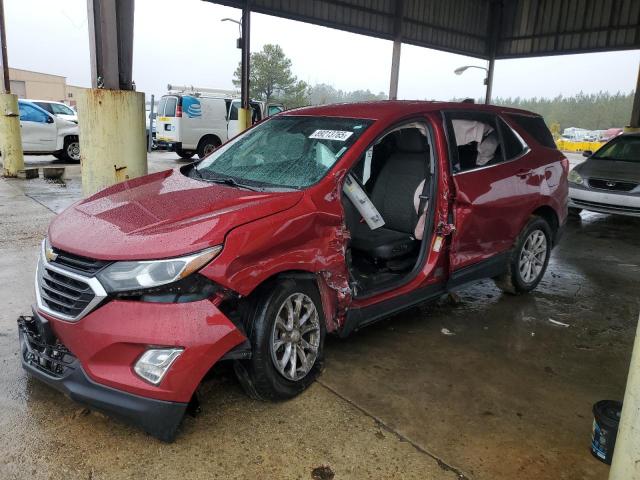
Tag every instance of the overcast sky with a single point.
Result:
(184, 42)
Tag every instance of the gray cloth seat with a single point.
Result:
(392, 194)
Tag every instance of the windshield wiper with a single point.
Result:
(232, 182)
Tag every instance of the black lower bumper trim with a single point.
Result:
(157, 417)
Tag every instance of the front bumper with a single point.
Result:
(604, 202)
(52, 364)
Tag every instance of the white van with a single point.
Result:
(191, 123)
(198, 120)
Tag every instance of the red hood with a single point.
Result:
(158, 216)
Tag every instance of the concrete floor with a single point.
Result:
(509, 395)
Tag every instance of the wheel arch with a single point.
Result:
(548, 213)
(328, 295)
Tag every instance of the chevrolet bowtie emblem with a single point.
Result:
(50, 254)
(611, 184)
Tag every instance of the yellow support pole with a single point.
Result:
(626, 456)
(10, 138)
(112, 137)
(244, 119)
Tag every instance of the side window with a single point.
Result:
(477, 140)
(535, 126)
(59, 109)
(160, 110)
(233, 111)
(29, 113)
(44, 106)
(512, 143)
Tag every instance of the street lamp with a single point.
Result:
(487, 80)
(239, 41)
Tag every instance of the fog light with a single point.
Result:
(155, 363)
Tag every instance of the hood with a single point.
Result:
(610, 170)
(161, 215)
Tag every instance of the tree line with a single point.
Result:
(595, 111)
(271, 79)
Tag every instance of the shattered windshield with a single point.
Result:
(288, 151)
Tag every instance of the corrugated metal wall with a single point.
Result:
(529, 27)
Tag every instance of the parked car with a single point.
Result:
(46, 134)
(199, 120)
(609, 180)
(319, 220)
(58, 109)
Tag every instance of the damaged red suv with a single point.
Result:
(319, 220)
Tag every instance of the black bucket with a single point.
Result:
(606, 418)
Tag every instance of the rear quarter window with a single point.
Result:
(535, 126)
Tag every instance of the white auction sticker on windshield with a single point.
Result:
(340, 135)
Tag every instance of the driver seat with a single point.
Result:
(393, 195)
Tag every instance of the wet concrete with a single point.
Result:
(509, 395)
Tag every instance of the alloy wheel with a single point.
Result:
(295, 337)
(532, 256)
(73, 150)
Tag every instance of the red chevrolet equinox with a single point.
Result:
(319, 220)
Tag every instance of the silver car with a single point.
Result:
(609, 180)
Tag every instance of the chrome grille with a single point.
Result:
(78, 264)
(64, 293)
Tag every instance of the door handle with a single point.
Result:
(524, 173)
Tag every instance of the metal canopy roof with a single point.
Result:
(478, 28)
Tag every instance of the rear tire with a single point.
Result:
(71, 150)
(286, 330)
(528, 259)
(207, 145)
(186, 154)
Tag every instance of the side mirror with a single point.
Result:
(587, 153)
(50, 119)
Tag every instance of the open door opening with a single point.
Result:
(386, 203)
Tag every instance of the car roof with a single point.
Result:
(397, 108)
(44, 101)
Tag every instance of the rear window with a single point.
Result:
(170, 106)
(535, 127)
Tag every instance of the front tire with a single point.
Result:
(71, 150)
(286, 330)
(529, 258)
(207, 145)
(186, 154)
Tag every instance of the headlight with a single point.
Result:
(132, 276)
(574, 177)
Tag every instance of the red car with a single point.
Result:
(319, 220)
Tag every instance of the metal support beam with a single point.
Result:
(111, 43)
(244, 114)
(489, 81)
(635, 112)
(495, 26)
(6, 83)
(397, 46)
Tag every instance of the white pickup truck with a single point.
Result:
(46, 134)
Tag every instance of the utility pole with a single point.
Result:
(10, 138)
